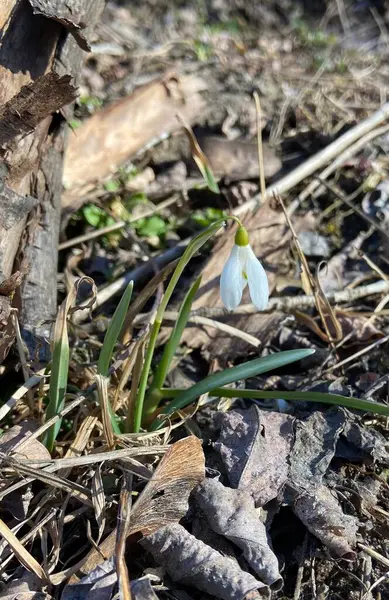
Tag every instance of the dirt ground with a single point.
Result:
(238, 496)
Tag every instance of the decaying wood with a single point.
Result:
(117, 133)
(78, 16)
(38, 60)
(36, 101)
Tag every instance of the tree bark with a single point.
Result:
(42, 44)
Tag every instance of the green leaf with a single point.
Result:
(112, 186)
(243, 371)
(110, 340)
(307, 396)
(206, 216)
(94, 215)
(144, 409)
(59, 372)
(113, 331)
(150, 226)
(175, 338)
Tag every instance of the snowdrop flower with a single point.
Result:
(242, 268)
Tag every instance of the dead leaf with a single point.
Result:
(363, 442)
(97, 585)
(18, 502)
(31, 449)
(255, 447)
(232, 513)
(141, 589)
(118, 132)
(323, 516)
(315, 445)
(27, 587)
(189, 561)
(237, 159)
(357, 328)
(164, 499)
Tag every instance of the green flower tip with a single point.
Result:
(242, 237)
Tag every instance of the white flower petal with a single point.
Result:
(257, 278)
(243, 254)
(231, 280)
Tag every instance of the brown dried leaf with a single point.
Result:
(21, 553)
(191, 562)
(118, 132)
(232, 513)
(32, 449)
(255, 447)
(237, 159)
(182, 467)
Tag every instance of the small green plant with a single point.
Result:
(91, 103)
(154, 403)
(311, 36)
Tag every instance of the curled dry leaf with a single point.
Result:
(323, 516)
(232, 513)
(31, 449)
(311, 500)
(164, 499)
(27, 587)
(191, 562)
(255, 446)
(141, 589)
(18, 502)
(315, 445)
(97, 585)
(363, 442)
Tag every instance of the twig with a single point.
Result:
(376, 555)
(89, 459)
(339, 161)
(357, 210)
(201, 320)
(291, 302)
(260, 147)
(358, 354)
(318, 160)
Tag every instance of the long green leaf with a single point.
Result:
(302, 396)
(243, 371)
(143, 408)
(59, 372)
(113, 332)
(175, 338)
(110, 339)
(306, 396)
